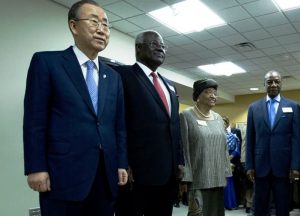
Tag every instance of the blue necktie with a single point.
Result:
(91, 84)
(272, 112)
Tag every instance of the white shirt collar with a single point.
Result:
(146, 70)
(82, 58)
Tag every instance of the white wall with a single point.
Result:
(28, 26)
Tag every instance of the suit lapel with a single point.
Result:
(104, 79)
(141, 76)
(73, 69)
(279, 111)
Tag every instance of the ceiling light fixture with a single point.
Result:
(222, 69)
(287, 4)
(254, 89)
(187, 16)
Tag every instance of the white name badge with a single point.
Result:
(201, 122)
(287, 109)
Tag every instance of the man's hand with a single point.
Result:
(39, 181)
(294, 175)
(180, 172)
(123, 177)
(251, 175)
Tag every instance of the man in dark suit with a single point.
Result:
(153, 129)
(273, 147)
(74, 123)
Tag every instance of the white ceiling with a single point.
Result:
(275, 35)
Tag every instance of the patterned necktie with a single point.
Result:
(272, 112)
(91, 84)
(160, 90)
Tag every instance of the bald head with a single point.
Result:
(273, 83)
(150, 49)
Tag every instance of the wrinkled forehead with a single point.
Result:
(92, 11)
(273, 76)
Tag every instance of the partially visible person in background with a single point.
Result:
(233, 145)
(206, 158)
(273, 147)
(75, 149)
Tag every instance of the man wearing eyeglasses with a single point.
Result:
(273, 147)
(152, 120)
(75, 147)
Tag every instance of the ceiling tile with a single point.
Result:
(214, 43)
(112, 17)
(107, 2)
(234, 14)
(222, 31)
(123, 9)
(146, 5)
(194, 47)
(260, 7)
(296, 55)
(281, 30)
(273, 19)
(179, 39)
(165, 31)
(265, 43)
(234, 57)
(245, 25)
(219, 5)
(289, 39)
(144, 21)
(256, 35)
(297, 26)
(234, 39)
(125, 26)
(292, 47)
(201, 36)
(293, 15)
(274, 50)
(254, 54)
(206, 54)
(245, 1)
(225, 51)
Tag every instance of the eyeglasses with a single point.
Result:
(96, 24)
(155, 45)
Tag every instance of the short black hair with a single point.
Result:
(73, 12)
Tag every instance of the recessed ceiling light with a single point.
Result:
(287, 4)
(187, 16)
(254, 89)
(222, 69)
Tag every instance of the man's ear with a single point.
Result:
(73, 26)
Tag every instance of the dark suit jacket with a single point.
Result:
(278, 149)
(154, 148)
(62, 133)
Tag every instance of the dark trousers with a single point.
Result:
(144, 200)
(98, 202)
(280, 188)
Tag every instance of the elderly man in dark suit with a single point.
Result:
(273, 147)
(74, 123)
(152, 119)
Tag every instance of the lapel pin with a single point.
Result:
(104, 76)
